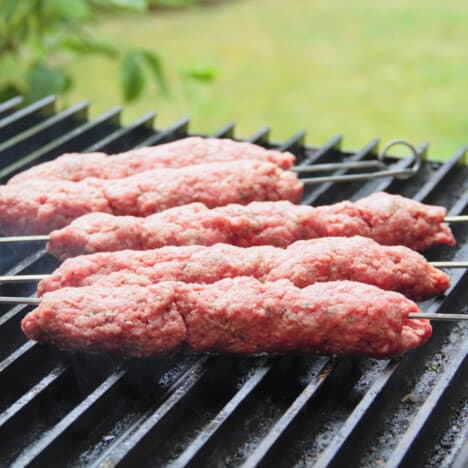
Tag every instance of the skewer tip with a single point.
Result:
(38, 238)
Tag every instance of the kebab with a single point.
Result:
(303, 263)
(39, 206)
(236, 315)
(185, 152)
(388, 219)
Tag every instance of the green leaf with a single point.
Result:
(8, 8)
(132, 79)
(71, 10)
(202, 73)
(155, 65)
(43, 81)
(86, 45)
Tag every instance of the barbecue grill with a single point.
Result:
(63, 409)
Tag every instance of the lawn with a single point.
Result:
(363, 68)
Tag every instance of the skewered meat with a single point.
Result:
(181, 153)
(303, 263)
(43, 205)
(388, 219)
(240, 315)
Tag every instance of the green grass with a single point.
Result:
(364, 68)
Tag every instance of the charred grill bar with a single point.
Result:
(218, 411)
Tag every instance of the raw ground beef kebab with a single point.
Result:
(388, 219)
(38, 206)
(236, 315)
(303, 263)
(180, 153)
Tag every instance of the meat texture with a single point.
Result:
(388, 219)
(240, 315)
(43, 205)
(303, 263)
(180, 153)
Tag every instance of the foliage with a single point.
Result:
(40, 38)
(362, 68)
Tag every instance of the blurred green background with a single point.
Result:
(363, 68)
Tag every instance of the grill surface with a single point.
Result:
(80, 410)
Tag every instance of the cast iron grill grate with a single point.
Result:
(58, 409)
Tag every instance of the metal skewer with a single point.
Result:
(22, 278)
(20, 300)
(29, 278)
(7, 239)
(449, 264)
(456, 219)
(46, 237)
(338, 166)
(439, 316)
(385, 171)
(427, 316)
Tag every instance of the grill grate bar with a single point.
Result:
(174, 132)
(296, 142)
(10, 335)
(435, 409)
(331, 146)
(441, 176)
(123, 137)
(261, 137)
(16, 122)
(21, 264)
(41, 451)
(12, 359)
(225, 132)
(71, 141)
(462, 457)
(320, 193)
(10, 106)
(201, 445)
(158, 421)
(261, 455)
(24, 403)
(42, 133)
(390, 184)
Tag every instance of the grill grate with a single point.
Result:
(79, 410)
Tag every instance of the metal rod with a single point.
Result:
(22, 278)
(4, 240)
(450, 264)
(384, 172)
(427, 316)
(337, 166)
(20, 300)
(46, 238)
(398, 173)
(456, 219)
(28, 278)
(439, 316)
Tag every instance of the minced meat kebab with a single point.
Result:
(303, 263)
(40, 205)
(388, 219)
(236, 315)
(180, 153)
